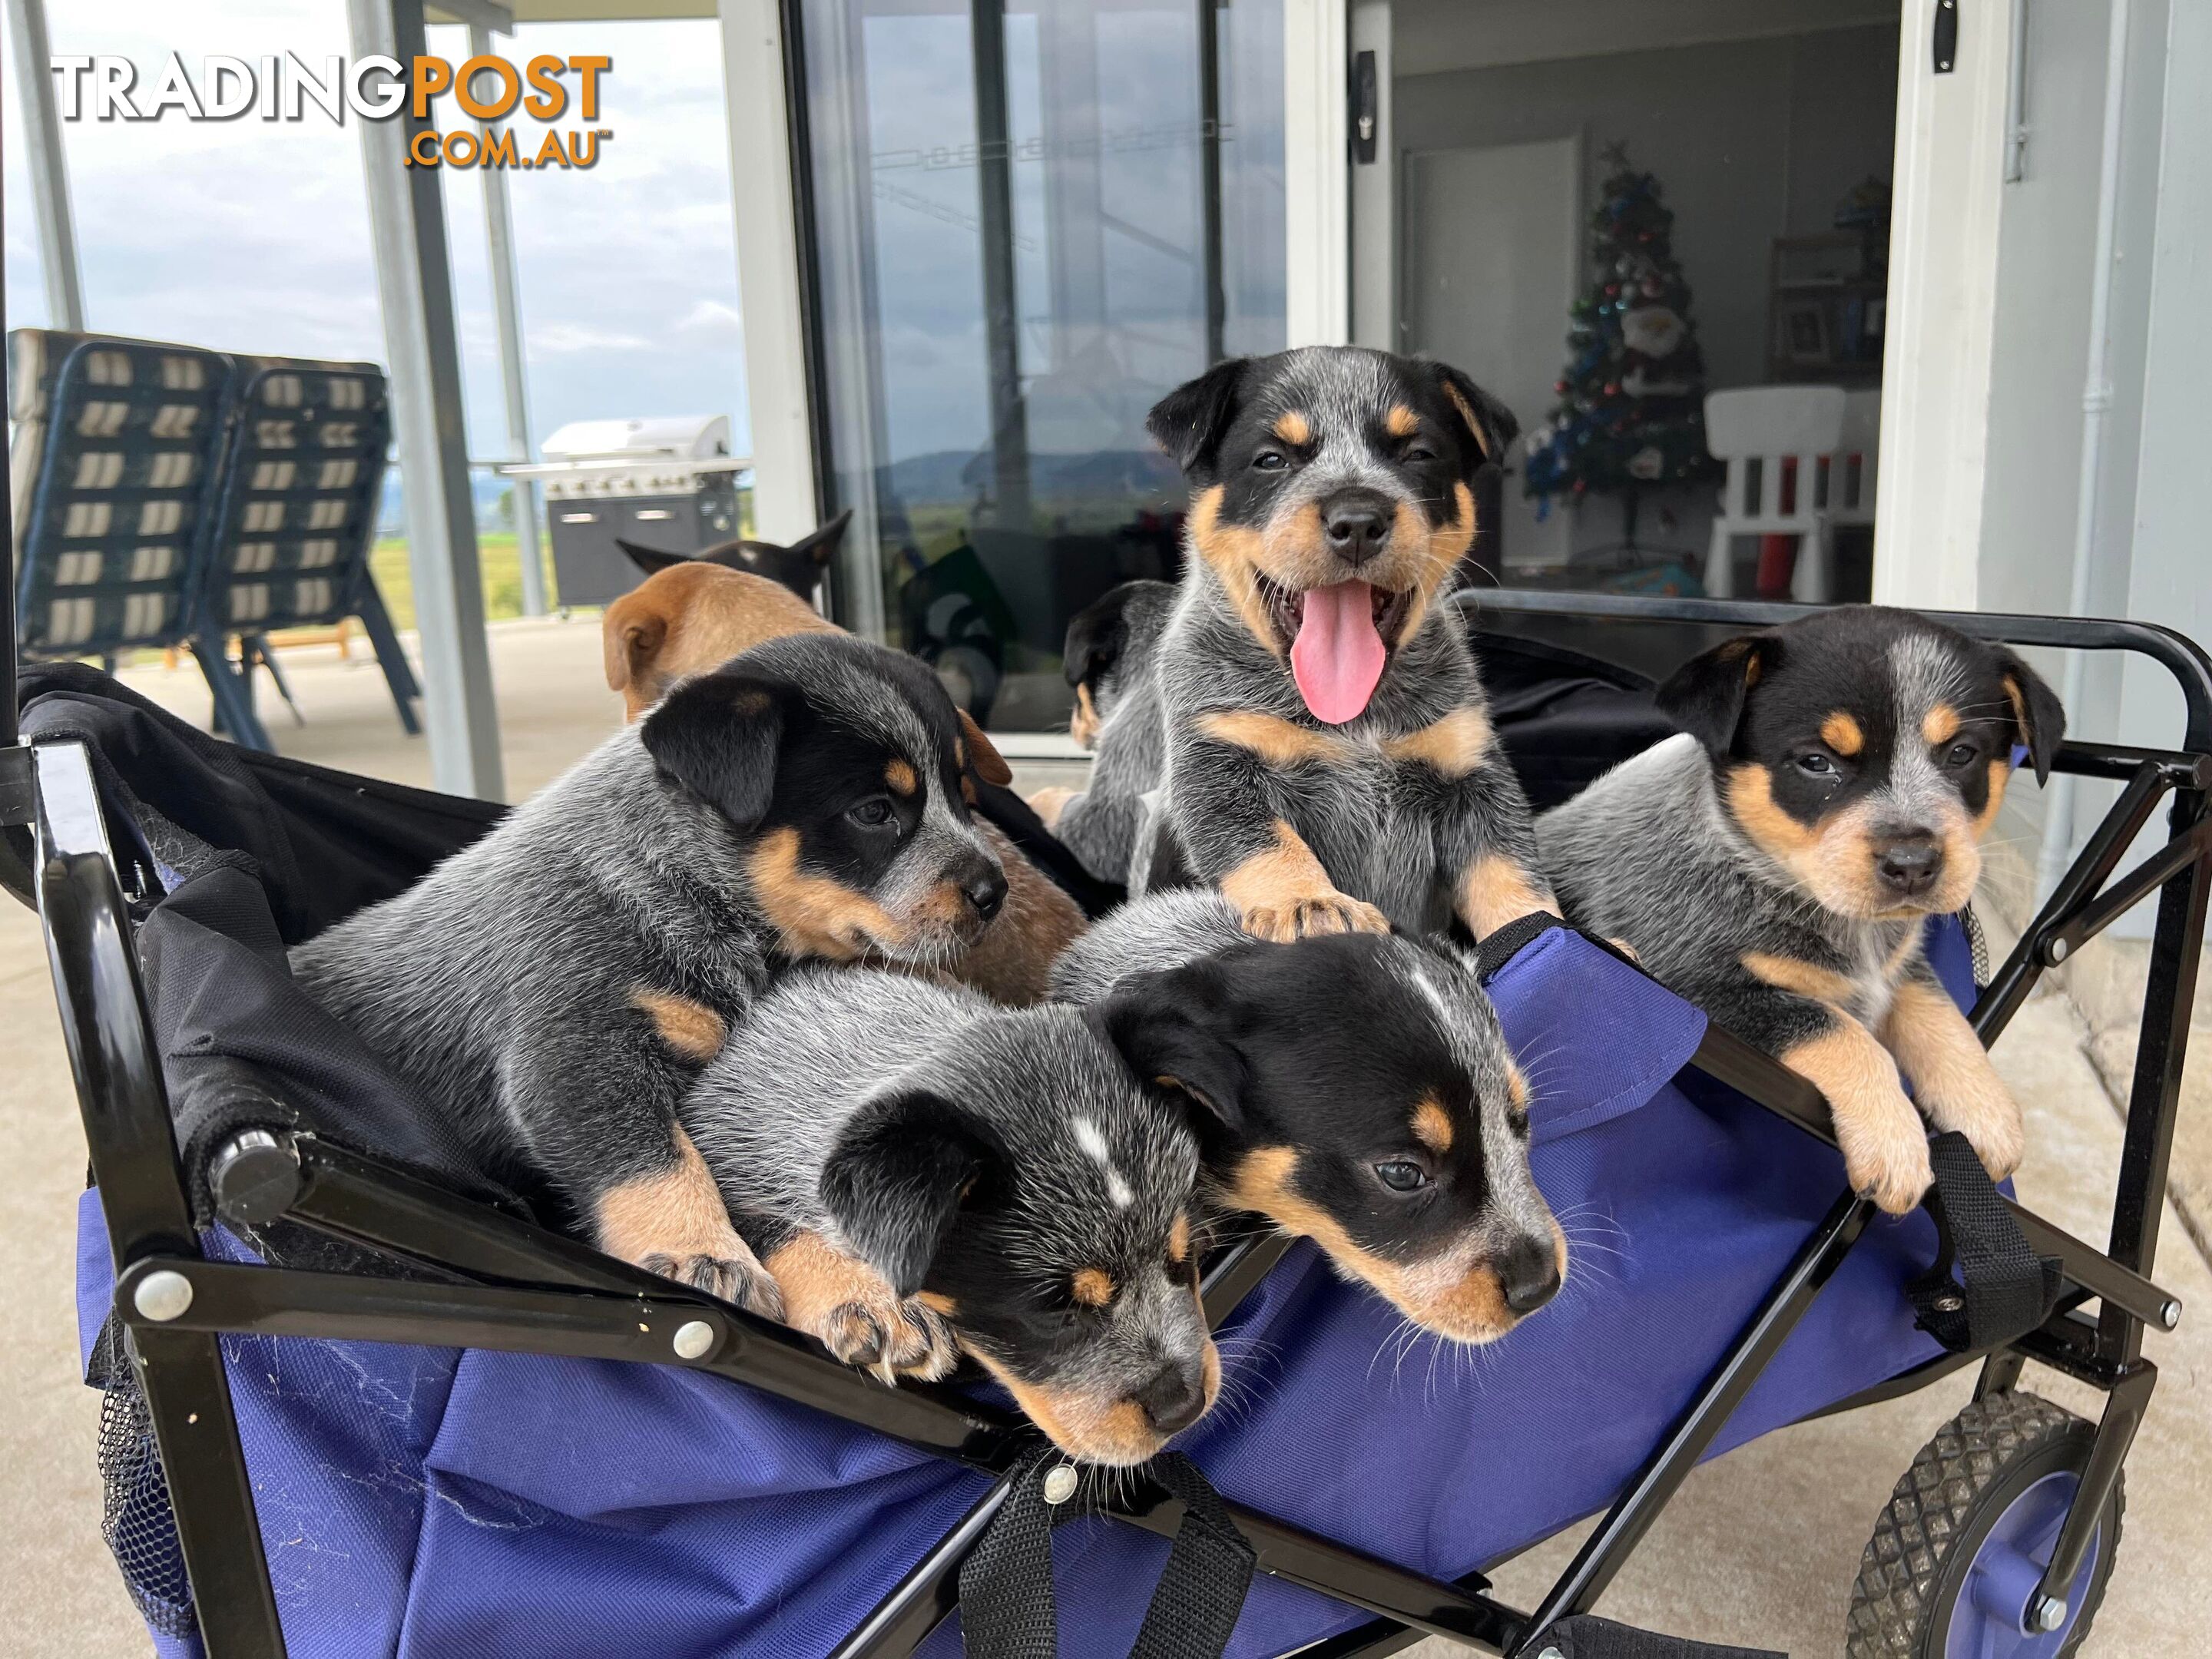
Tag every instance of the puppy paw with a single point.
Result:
(888, 1337)
(1998, 1135)
(1980, 1107)
(1049, 802)
(1885, 1155)
(739, 1280)
(1308, 918)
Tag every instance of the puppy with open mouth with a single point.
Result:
(1329, 764)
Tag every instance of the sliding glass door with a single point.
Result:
(1028, 222)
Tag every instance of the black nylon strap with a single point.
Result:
(2002, 1290)
(1202, 1588)
(1492, 953)
(1008, 1608)
(1585, 1636)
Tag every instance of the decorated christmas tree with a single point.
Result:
(1631, 414)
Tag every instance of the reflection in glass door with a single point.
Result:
(1029, 221)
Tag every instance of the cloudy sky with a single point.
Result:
(253, 236)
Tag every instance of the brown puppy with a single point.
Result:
(692, 617)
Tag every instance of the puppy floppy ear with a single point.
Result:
(2039, 718)
(1169, 1027)
(982, 754)
(1704, 696)
(630, 636)
(718, 735)
(895, 1179)
(1188, 423)
(1490, 425)
(821, 546)
(1094, 639)
(650, 560)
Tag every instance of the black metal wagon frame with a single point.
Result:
(512, 1285)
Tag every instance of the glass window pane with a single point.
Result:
(1023, 221)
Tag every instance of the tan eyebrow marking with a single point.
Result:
(1432, 1126)
(1401, 421)
(1093, 1287)
(1939, 724)
(1294, 428)
(1179, 1240)
(900, 777)
(1841, 733)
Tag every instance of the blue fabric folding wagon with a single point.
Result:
(361, 1399)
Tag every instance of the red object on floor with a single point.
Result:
(1778, 554)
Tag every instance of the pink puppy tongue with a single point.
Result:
(1337, 658)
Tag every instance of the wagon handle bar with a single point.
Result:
(2178, 654)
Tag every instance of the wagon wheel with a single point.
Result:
(1964, 1537)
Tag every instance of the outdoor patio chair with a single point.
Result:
(113, 472)
(288, 542)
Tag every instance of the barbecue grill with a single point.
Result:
(670, 482)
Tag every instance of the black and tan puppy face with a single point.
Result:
(1332, 495)
(1040, 1200)
(1866, 751)
(838, 763)
(1356, 1089)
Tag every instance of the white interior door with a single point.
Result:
(1491, 266)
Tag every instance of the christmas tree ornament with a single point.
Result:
(1652, 330)
(1648, 464)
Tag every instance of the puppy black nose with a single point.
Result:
(1175, 1397)
(1909, 867)
(1529, 1273)
(1355, 527)
(985, 888)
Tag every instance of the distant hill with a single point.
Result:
(487, 488)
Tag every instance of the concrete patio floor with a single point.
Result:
(1760, 1547)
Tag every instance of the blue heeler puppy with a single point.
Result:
(556, 988)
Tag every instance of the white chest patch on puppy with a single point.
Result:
(1093, 1146)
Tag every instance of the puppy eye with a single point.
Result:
(1420, 453)
(1816, 765)
(1270, 460)
(1962, 754)
(1400, 1177)
(873, 812)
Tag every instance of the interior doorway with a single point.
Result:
(1493, 258)
(1606, 227)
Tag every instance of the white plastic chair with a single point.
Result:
(1772, 425)
(1850, 487)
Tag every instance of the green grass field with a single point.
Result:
(498, 553)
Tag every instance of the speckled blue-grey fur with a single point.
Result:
(1087, 1169)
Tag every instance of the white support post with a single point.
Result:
(1316, 173)
(786, 504)
(1374, 186)
(415, 286)
(506, 306)
(1951, 152)
(42, 152)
